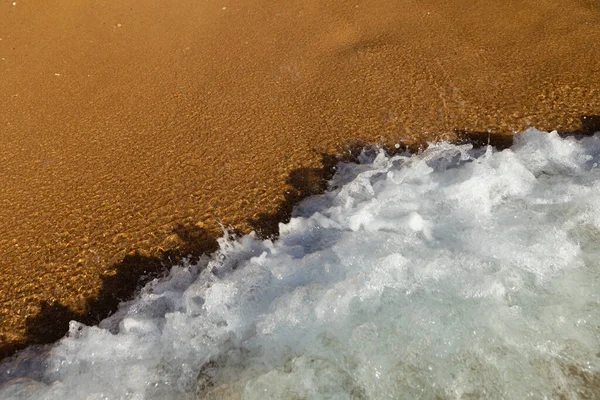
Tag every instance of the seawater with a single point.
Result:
(452, 274)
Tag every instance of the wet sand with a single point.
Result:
(141, 127)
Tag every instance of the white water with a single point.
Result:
(455, 273)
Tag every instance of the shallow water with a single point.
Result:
(452, 274)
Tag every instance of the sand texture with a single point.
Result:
(130, 130)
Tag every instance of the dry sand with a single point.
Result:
(140, 125)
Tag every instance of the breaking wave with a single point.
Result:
(455, 273)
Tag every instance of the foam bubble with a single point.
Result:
(454, 273)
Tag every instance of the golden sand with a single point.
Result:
(141, 125)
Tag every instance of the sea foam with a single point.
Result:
(452, 274)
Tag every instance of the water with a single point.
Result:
(453, 274)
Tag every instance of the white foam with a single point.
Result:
(455, 273)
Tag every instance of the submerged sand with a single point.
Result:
(141, 126)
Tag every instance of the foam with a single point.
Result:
(454, 273)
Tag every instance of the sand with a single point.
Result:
(140, 127)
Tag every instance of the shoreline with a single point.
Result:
(134, 128)
(487, 257)
(135, 270)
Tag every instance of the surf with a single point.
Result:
(453, 273)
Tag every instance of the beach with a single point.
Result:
(133, 133)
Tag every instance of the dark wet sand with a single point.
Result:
(140, 126)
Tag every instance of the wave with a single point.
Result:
(454, 273)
